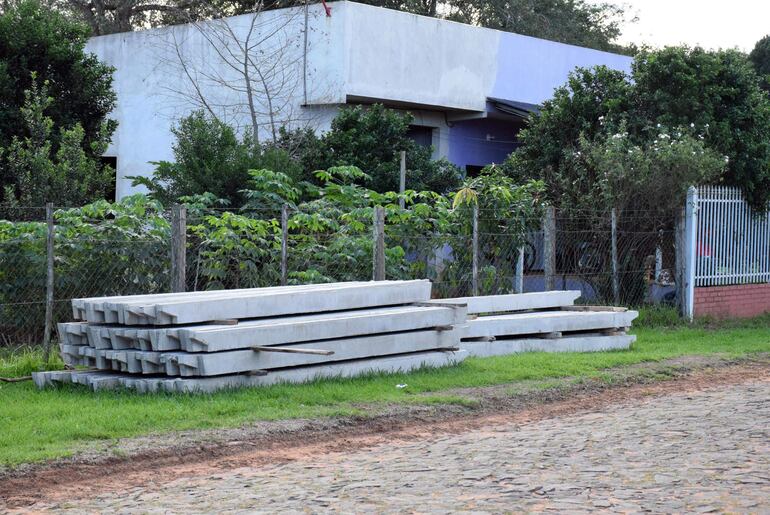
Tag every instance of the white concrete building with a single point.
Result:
(468, 87)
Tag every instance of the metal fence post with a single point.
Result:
(284, 244)
(178, 248)
(690, 243)
(518, 279)
(615, 275)
(49, 282)
(549, 247)
(378, 250)
(475, 251)
(402, 181)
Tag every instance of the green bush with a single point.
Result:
(372, 139)
(123, 248)
(210, 158)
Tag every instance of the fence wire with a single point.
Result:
(102, 254)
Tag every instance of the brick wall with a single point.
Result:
(739, 301)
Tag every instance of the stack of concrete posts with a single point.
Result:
(540, 322)
(206, 341)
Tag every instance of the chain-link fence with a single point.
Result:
(99, 252)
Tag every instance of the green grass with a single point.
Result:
(38, 425)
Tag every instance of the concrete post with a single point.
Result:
(49, 283)
(690, 243)
(402, 181)
(284, 244)
(378, 248)
(178, 248)
(615, 273)
(518, 280)
(549, 247)
(679, 261)
(475, 252)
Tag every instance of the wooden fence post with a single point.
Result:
(284, 244)
(378, 250)
(49, 282)
(475, 252)
(402, 181)
(178, 248)
(615, 273)
(549, 247)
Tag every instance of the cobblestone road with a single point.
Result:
(700, 452)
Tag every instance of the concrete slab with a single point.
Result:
(565, 344)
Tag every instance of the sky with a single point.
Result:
(709, 23)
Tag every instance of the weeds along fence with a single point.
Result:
(49, 255)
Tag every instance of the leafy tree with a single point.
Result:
(36, 41)
(710, 95)
(590, 104)
(209, 157)
(67, 176)
(760, 56)
(567, 21)
(718, 93)
(372, 139)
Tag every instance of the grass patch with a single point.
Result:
(38, 425)
(25, 360)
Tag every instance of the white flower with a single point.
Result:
(692, 125)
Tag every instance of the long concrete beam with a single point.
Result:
(359, 347)
(259, 303)
(115, 311)
(269, 331)
(318, 327)
(238, 361)
(79, 305)
(565, 344)
(514, 302)
(546, 322)
(386, 365)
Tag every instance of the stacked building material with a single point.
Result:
(205, 341)
(545, 322)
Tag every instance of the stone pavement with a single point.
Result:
(701, 452)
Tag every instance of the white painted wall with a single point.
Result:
(154, 91)
(361, 52)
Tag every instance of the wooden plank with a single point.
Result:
(292, 350)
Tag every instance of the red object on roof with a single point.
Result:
(327, 8)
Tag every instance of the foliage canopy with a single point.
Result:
(40, 46)
(371, 139)
(713, 97)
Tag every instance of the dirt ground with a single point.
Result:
(164, 459)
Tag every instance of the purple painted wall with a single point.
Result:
(481, 142)
(529, 69)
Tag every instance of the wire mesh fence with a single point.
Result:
(103, 252)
